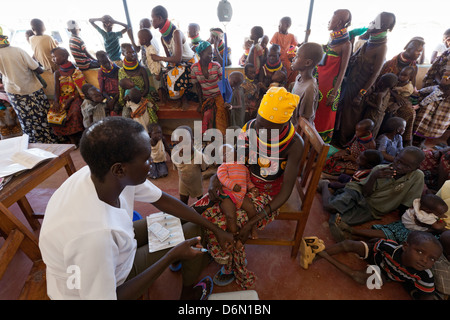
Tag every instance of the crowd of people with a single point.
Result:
(367, 108)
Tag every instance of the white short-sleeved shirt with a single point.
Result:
(87, 245)
(15, 66)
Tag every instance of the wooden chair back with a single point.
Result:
(18, 237)
(298, 206)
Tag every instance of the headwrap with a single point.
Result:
(202, 46)
(278, 105)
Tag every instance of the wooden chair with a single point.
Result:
(18, 236)
(298, 206)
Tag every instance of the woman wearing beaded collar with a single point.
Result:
(331, 72)
(363, 69)
(179, 56)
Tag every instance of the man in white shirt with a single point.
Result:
(89, 243)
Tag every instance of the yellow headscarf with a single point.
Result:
(278, 105)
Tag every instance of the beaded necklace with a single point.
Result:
(167, 31)
(130, 65)
(337, 37)
(273, 67)
(196, 39)
(378, 38)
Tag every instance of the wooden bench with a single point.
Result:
(18, 237)
(297, 207)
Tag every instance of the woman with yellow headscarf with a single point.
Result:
(273, 163)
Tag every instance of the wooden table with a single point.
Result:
(16, 190)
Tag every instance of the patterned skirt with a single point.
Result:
(235, 259)
(32, 113)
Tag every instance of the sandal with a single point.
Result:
(203, 284)
(306, 255)
(222, 283)
(315, 243)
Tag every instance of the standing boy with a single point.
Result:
(42, 45)
(112, 45)
(305, 86)
(82, 57)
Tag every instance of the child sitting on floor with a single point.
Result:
(366, 161)
(426, 214)
(94, 106)
(139, 108)
(390, 143)
(9, 122)
(305, 86)
(387, 188)
(378, 100)
(344, 161)
(159, 144)
(236, 183)
(397, 262)
(189, 170)
(237, 104)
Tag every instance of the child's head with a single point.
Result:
(85, 89)
(128, 52)
(256, 33)
(95, 94)
(145, 23)
(37, 26)
(421, 250)
(118, 146)
(264, 41)
(193, 30)
(126, 83)
(364, 128)
(250, 71)
(408, 160)
(236, 78)
(308, 56)
(274, 54)
(135, 95)
(387, 81)
(145, 37)
(369, 159)
(406, 74)
(279, 76)
(285, 24)
(385, 21)
(341, 18)
(103, 59)
(155, 131)
(60, 55)
(108, 23)
(72, 27)
(431, 203)
(395, 125)
(247, 43)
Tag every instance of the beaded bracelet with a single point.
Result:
(363, 92)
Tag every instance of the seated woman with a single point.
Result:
(273, 173)
(179, 56)
(68, 95)
(134, 71)
(402, 107)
